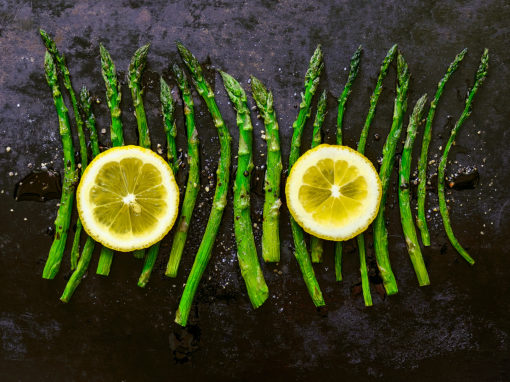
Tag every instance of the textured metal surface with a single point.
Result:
(456, 329)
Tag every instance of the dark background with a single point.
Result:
(456, 329)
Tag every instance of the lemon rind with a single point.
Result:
(302, 218)
(164, 225)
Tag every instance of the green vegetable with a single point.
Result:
(246, 250)
(63, 219)
(481, 73)
(379, 225)
(342, 101)
(360, 239)
(363, 270)
(88, 248)
(220, 194)
(404, 198)
(300, 251)
(375, 97)
(105, 261)
(272, 202)
(113, 98)
(427, 135)
(136, 68)
(168, 111)
(61, 62)
(193, 184)
(316, 244)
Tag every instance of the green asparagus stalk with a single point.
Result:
(90, 120)
(380, 231)
(427, 135)
(104, 264)
(375, 97)
(404, 199)
(316, 244)
(342, 101)
(220, 194)
(88, 249)
(113, 98)
(360, 239)
(168, 109)
(148, 265)
(246, 250)
(136, 68)
(193, 184)
(363, 270)
(479, 78)
(272, 202)
(70, 177)
(300, 251)
(61, 62)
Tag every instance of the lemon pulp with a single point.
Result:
(333, 192)
(128, 199)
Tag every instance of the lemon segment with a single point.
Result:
(127, 198)
(333, 192)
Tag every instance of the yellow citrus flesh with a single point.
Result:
(333, 192)
(127, 198)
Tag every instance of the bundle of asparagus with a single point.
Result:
(247, 252)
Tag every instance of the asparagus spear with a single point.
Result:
(300, 251)
(61, 62)
(148, 265)
(360, 239)
(70, 177)
(88, 249)
(136, 68)
(220, 194)
(406, 217)
(246, 250)
(342, 100)
(363, 270)
(105, 261)
(481, 73)
(380, 231)
(272, 202)
(375, 97)
(113, 98)
(193, 184)
(167, 108)
(427, 135)
(316, 244)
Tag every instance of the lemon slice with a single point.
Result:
(127, 198)
(333, 192)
